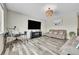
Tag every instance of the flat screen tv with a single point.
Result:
(34, 24)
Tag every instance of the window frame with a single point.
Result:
(2, 21)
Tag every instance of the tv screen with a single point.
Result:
(34, 24)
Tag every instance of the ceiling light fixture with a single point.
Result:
(49, 10)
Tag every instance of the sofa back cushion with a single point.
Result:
(61, 34)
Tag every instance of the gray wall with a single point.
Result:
(69, 22)
(21, 21)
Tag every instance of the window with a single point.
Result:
(1, 20)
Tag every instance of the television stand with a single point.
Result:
(36, 34)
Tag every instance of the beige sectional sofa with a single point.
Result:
(69, 48)
(60, 34)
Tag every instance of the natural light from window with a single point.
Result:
(1, 20)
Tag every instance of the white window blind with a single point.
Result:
(1, 20)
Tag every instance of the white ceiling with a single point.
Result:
(36, 9)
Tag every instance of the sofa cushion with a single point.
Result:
(55, 33)
(77, 38)
(61, 34)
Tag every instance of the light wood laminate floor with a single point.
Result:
(37, 46)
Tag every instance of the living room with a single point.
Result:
(66, 16)
(57, 18)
